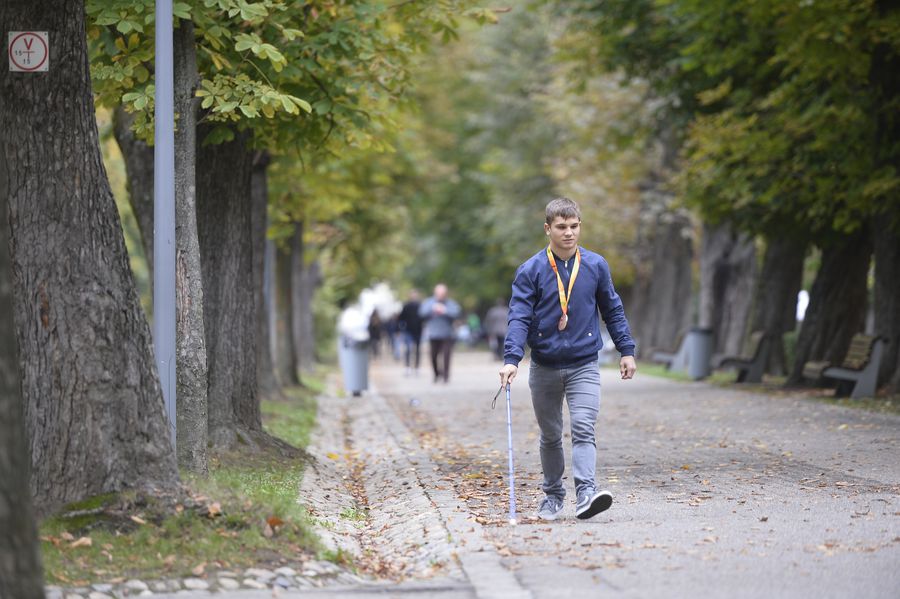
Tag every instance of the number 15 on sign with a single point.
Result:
(28, 51)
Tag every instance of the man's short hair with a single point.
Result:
(563, 207)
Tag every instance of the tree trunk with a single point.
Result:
(304, 281)
(270, 307)
(94, 410)
(837, 303)
(312, 278)
(20, 559)
(138, 158)
(286, 354)
(887, 299)
(191, 372)
(223, 224)
(727, 279)
(884, 72)
(775, 305)
(265, 369)
(663, 305)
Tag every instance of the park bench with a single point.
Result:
(860, 367)
(676, 359)
(752, 365)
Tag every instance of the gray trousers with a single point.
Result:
(581, 388)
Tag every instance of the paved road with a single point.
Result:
(718, 492)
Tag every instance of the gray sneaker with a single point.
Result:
(591, 503)
(550, 508)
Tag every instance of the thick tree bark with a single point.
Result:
(265, 368)
(775, 305)
(286, 354)
(837, 304)
(226, 248)
(20, 561)
(304, 280)
(887, 299)
(138, 157)
(727, 279)
(192, 376)
(93, 407)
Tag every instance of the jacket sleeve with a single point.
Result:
(425, 309)
(613, 312)
(521, 311)
(453, 310)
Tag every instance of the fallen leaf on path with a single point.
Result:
(138, 520)
(82, 542)
(199, 569)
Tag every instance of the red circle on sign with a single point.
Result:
(38, 38)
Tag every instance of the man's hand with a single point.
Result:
(627, 367)
(508, 373)
(439, 309)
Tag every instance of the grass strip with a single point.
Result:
(245, 513)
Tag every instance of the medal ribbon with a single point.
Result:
(563, 294)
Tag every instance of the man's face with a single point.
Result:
(564, 232)
(440, 292)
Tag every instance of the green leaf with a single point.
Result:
(249, 111)
(181, 10)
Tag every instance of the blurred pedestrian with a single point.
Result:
(376, 328)
(410, 325)
(475, 332)
(495, 325)
(439, 312)
(559, 320)
(393, 332)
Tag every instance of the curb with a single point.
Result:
(477, 557)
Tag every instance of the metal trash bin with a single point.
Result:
(699, 352)
(353, 356)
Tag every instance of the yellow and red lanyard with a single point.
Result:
(563, 293)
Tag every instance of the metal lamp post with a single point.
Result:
(164, 210)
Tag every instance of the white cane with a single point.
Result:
(512, 477)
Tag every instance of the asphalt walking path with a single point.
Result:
(718, 492)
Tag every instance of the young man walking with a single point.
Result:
(558, 296)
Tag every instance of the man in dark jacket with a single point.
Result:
(410, 325)
(558, 296)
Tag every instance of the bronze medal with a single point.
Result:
(563, 294)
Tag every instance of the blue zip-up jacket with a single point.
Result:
(534, 312)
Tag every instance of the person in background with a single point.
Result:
(393, 331)
(375, 330)
(409, 323)
(495, 325)
(439, 312)
(475, 331)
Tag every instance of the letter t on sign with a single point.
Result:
(29, 51)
